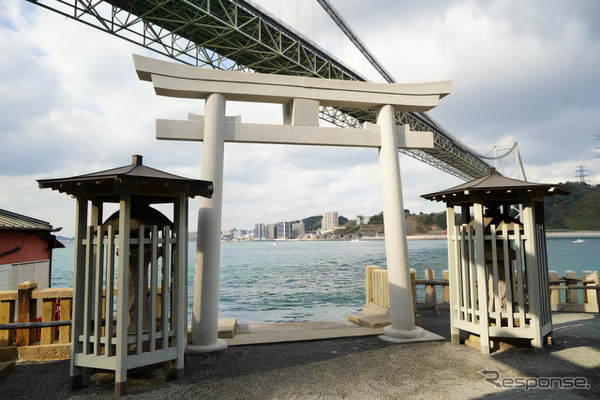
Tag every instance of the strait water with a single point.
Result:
(320, 280)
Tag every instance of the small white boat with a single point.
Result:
(275, 244)
(578, 241)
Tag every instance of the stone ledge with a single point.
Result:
(52, 293)
(45, 352)
(8, 295)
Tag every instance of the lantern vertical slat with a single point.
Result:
(180, 227)
(458, 288)
(122, 295)
(544, 278)
(98, 286)
(460, 268)
(472, 274)
(109, 292)
(531, 265)
(454, 290)
(495, 301)
(543, 282)
(95, 275)
(543, 265)
(519, 272)
(153, 288)
(139, 317)
(88, 300)
(464, 267)
(78, 289)
(166, 288)
(508, 277)
(481, 302)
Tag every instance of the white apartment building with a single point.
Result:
(283, 230)
(330, 221)
(260, 231)
(272, 231)
(362, 220)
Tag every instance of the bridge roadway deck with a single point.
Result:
(238, 34)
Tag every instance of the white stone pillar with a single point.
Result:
(396, 245)
(205, 318)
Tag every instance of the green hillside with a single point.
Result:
(312, 224)
(580, 211)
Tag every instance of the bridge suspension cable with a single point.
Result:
(341, 23)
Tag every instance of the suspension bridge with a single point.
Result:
(241, 35)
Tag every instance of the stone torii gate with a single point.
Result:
(301, 98)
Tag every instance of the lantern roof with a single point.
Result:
(494, 184)
(139, 178)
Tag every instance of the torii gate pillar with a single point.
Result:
(396, 245)
(205, 311)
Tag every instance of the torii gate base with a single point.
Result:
(301, 98)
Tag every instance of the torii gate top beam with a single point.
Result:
(183, 81)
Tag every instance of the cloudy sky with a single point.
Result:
(523, 71)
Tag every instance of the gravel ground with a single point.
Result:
(353, 368)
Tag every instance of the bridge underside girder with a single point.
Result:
(237, 35)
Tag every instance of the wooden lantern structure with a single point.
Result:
(498, 264)
(130, 280)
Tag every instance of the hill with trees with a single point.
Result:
(580, 211)
(312, 224)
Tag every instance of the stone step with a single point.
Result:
(374, 321)
(7, 368)
(227, 328)
(9, 353)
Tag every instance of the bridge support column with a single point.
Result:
(205, 318)
(396, 245)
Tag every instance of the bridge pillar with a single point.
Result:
(396, 244)
(205, 311)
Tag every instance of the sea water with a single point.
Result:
(264, 281)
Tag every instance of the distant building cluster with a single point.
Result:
(287, 229)
(236, 234)
(280, 230)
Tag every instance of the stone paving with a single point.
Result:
(356, 368)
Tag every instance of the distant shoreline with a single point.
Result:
(550, 235)
(573, 234)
